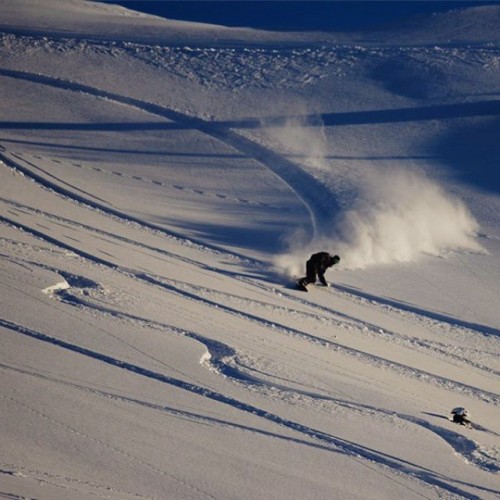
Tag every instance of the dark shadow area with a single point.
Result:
(473, 153)
(411, 79)
(341, 15)
(371, 117)
(54, 146)
(96, 127)
(422, 113)
(264, 238)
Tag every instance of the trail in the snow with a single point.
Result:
(19, 165)
(119, 238)
(225, 361)
(96, 259)
(96, 206)
(336, 318)
(317, 198)
(224, 358)
(223, 366)
(339, 445)
(357, 353)
(194, 296)
(435, 316)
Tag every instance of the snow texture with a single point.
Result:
(162, 184)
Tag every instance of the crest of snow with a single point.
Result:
(62, 285)
(206, 357)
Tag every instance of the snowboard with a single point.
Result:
(304, 288)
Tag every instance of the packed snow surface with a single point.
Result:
(162, 184)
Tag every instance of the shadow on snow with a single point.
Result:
(339, 445)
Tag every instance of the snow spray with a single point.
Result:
(390, 215)
(397, 216)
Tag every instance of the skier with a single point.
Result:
(461, 416)
(317, 264)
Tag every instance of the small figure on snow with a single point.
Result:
(461, 416)
(317, 264)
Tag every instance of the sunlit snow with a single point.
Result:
(162, 184)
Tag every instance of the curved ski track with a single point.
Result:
(318, 200)
(223, 357)
(182, 290)
(334, 443)
(336, 318)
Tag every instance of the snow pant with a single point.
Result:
(310, 274)
(460, 419)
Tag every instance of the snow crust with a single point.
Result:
(161, 186)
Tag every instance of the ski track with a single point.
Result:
(330, 344)
(399, 467)
(316, 197)
(221, 353)
(147, 180)
(223, 356)
(224, 360)
(361, 355)
(127, 455)
(363, 326)
(433, 316)
(435, 347)
(194, 296)
(111, 237)
(336, 346)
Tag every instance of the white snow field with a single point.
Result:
(162, 184)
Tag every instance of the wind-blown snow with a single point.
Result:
(392, 215)
(162, 185)
(401, 215)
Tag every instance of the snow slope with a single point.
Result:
(162, 184)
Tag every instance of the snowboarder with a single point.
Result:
(461, 416)
(317, 264)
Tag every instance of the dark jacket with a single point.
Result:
(318, 264)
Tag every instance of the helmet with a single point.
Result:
(335, 259)
(460, 411)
